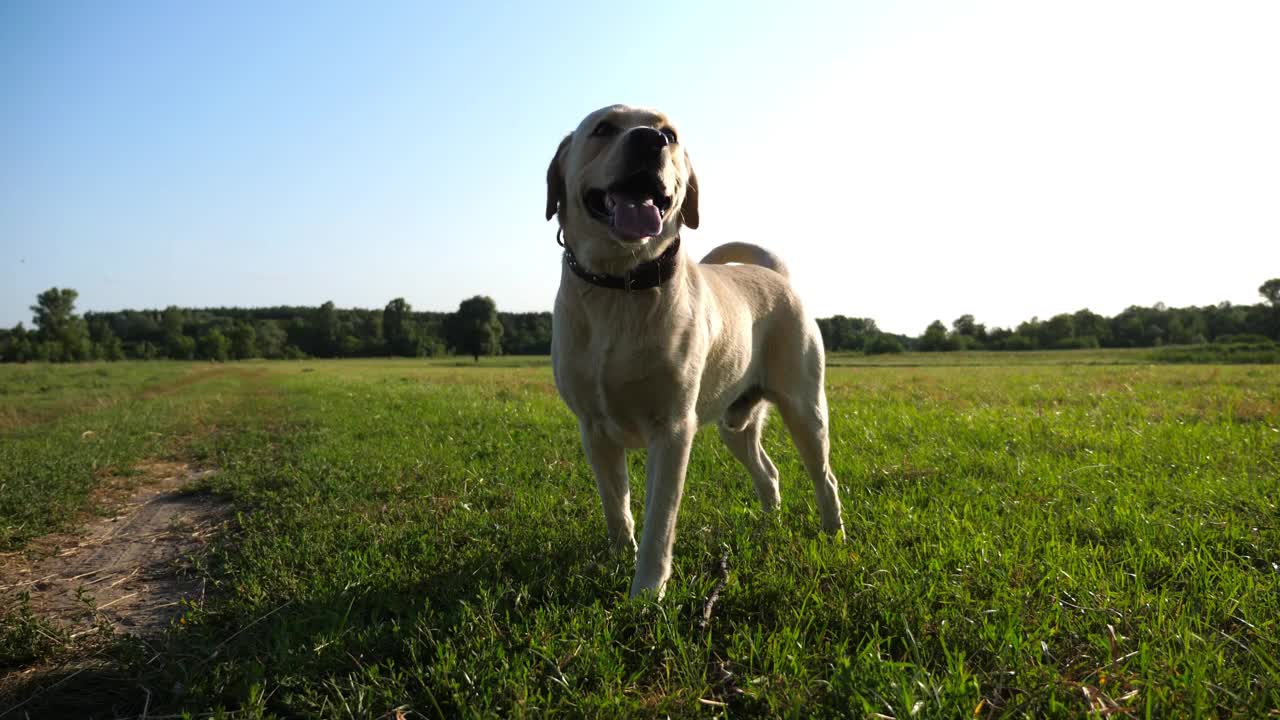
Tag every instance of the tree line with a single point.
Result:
(476, 328)
(1135, 327)
(59, 334)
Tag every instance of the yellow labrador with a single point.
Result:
(648, 345)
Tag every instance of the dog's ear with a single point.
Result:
(689, 208)
(555, 179)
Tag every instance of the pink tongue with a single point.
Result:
(636, 219)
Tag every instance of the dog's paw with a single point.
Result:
(770, 503)
(623, 549)
(647, 592)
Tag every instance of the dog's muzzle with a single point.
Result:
(644, 148)
(635, 205)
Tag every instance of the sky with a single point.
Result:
(910, 161)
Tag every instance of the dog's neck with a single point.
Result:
(642, 276)
(609, 258)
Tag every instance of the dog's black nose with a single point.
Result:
(644, 146)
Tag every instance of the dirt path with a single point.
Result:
(129, 570)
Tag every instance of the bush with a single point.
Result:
(181, 347)
(1018, 342)
(215, 346)
(882, 344)
(1243, 339)
(1077, 343)
(1253, 353)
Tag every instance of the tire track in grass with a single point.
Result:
(79, 607)
(49, 472)
(127, 570)
(34, 397)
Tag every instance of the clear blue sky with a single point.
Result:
(910, 161)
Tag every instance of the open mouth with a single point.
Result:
(633, 206)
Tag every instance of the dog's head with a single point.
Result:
(622, 186)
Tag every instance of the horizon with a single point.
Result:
(910, 163)
(355, 308)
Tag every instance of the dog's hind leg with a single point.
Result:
(806, 420)
(743, 440)
(609, 464)
(803, 406)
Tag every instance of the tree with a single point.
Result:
(244, 341)
(397, 325)
(1026, 336)
(1269, 324)
(475, 329)
(934, 338)
(1225, 319)
(106, 344)
(173, 320)
(54, 311)
(527, 333)
(16, 345)
(967, 333)
(109, 346)
(965, 326)
(177, 345)
(326, 331)
(1271, 291)
(845, 333)
(215, 346)
(1088, 324)
(182, 347)
(1186, 327)
(1057, 331)
(1127, 328)
(271, 339)
(59, 327)
(369, 329)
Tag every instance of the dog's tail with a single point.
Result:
(739, 252)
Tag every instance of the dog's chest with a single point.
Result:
(624, 380)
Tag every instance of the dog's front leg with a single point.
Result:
(664, 484)
(609, 464)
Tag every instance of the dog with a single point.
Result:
(648, 345)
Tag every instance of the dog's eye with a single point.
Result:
(671, 135)
(605, 129)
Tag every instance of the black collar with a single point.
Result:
(641, 277)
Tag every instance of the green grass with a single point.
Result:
(64, 428)
(993, 358)
(426, 536)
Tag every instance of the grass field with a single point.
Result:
(1068, 535)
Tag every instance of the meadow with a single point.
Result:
(1054, 534)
